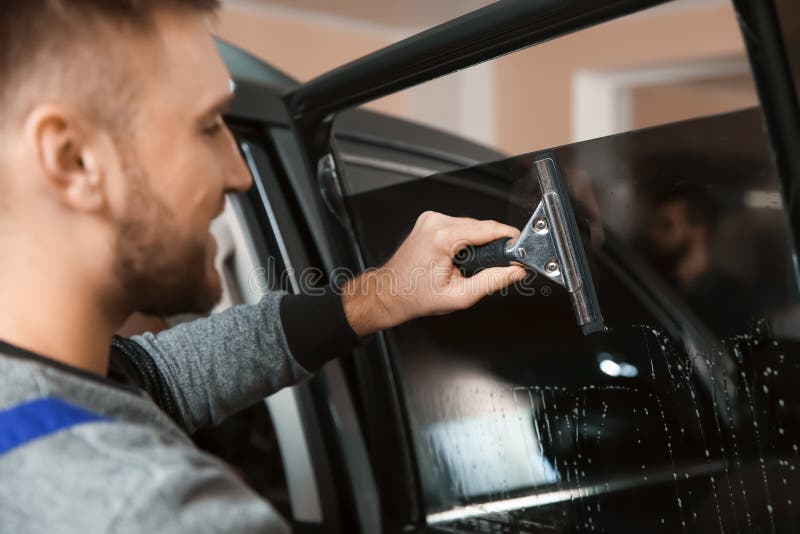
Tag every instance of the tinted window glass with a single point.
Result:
(682, 415)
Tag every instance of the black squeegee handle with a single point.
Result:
(471, 259)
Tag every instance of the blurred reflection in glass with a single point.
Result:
(682, 226)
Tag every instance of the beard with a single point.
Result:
(159, 271)
(665, 261)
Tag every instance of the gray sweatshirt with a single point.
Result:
(80, 453)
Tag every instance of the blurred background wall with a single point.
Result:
(680, 60)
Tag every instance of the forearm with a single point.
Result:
(217, 366)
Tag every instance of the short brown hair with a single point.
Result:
(39, 34)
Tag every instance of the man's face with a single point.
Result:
(669, 230)
(177, 163)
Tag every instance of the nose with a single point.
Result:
(237, 177)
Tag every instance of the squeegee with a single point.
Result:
(549, 244)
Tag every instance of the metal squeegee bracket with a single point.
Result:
(535, 248)
(546, 244)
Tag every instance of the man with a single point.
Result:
(113, 161)
(679, 239)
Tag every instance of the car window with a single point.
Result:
(682, 414)
(627, 73)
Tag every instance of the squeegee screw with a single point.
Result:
(540, 225)
(551, 266)
(521, 253)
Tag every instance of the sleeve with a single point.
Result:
(203, 371)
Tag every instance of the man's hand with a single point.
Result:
(421, 279)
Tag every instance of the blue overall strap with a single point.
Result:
(38, 418)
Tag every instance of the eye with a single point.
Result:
(213, 128)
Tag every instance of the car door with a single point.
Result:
(504, 418)
(677, 416)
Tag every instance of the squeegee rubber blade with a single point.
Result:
(590, 301)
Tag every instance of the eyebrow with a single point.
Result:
(219, 107)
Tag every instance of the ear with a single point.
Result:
(72, 154)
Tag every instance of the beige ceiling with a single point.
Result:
(394, 13)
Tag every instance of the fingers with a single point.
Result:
(458, 236)
(424, 262)
(450, 234)
(432, 221)
(436, 218)
(491, 280)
